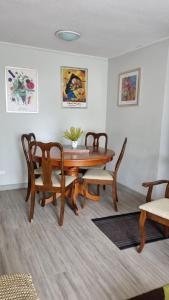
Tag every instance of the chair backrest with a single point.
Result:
(99, 136)
(96, 137)
(44, 150)
(26, 139)
(120, 156)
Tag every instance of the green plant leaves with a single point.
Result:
(73, 133)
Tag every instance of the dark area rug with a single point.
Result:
(123, 230)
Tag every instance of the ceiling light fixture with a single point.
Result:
(67, 35)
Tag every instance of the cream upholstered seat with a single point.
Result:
(156, 210)
(104, 177)
(158, 207)
(98, 174)
(56, 180)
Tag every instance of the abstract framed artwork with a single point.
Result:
(74, 87)
(21, 90)
(129, 86)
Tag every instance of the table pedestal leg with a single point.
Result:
(92, 196)
(74, 171)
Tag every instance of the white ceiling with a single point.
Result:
(108, 27)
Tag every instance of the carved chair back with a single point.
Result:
(95, 138)
(45, 150)
(26, 139)
(120, 156)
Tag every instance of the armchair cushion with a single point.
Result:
(158, 207)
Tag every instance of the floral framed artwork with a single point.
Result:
(129, 86)
(21, 90)
(74, 87)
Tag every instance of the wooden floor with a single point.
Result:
(77, 261)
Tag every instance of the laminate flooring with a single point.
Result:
(77, 261)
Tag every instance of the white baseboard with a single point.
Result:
(13, 186)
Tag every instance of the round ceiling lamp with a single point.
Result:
(67, 35)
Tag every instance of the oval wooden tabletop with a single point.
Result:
(92, 158)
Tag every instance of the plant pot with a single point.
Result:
(74, 144)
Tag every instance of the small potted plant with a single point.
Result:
(73, 134)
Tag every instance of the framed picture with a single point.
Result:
(129, 85)
(74, 87)
(21, 90)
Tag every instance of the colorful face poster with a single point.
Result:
(74, 87)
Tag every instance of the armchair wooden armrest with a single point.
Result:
(150, 186)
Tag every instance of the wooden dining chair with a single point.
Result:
(26, 139)
(95, 138)
(104, 177)
(156, 210)
(49, 181)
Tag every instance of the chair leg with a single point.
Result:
(115, 186)
(28, 188)
(114, 197)
(62, 208)
(43, 200)
(104, 187)
(54, 199)
(165, 232)
(32, 206)
(73, 195)
(142, 221)
(98, 189)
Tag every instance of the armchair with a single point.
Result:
(156, 210)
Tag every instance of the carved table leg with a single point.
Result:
(74, 171)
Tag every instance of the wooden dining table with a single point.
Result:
(76, 159)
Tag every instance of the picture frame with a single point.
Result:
(74, 87)
(129, 87)
(21, 90)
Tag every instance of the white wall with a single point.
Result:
(146, 125)
(141, 124)
(52, 119)
(163, 168)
